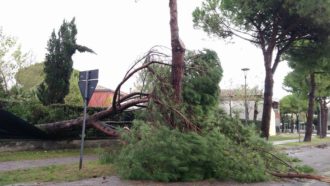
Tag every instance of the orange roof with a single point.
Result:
(102, 97)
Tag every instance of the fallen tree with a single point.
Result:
(119, 104)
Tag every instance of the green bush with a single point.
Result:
(106, 156)
(159, 153)
(305, 168)
(36, 113)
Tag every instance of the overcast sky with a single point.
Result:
(121, 31)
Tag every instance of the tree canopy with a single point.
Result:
(310, 61)
(272, 25)
(11, 60)
(30, 77)
(292, 104)
(202, 78)
(58, 64)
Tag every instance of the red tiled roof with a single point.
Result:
(102, 97)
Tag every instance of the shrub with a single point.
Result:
(164, 154)
(106, 156)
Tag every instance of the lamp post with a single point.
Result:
(245, 70)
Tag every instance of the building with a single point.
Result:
(232, 102)
(102, 97)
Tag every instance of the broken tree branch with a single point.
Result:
(302, 176)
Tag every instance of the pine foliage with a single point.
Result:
(194, 140)
(170, 155)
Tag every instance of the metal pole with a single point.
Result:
(84, 123)
(320, 123)
(245, 103)
(245, 99)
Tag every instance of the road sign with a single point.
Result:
(87, 84)
(91, 85)
(92, 74)
(88, 81)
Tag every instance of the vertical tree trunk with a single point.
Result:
(178, 50)
(321, 118)
(297, 123)
(324, 115)
(268, 96)
(255, 113)
(326, 120)
(310, 110)
(282, 121)
(291, 123)
(318, 127)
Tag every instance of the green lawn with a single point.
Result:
(285, 136)
(315, 141)
(43, 154)
(56, 173)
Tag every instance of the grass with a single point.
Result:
(56, 173)
(285, 136)
(42, 154)
(315, 141)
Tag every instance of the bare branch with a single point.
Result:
(280, 52)
(187, 122)
(129, 75)
(53, 128)
(132, 96)
(305, 176)
(104, 128)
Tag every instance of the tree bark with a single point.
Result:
(291, 123)
(318, 126)
(91, 121)
(282, 121)
(178, 50)
(268, 96)
(255, 112)
(324, 115)
(326, 121)
(310, 110)
(304, 176)
(297, 123)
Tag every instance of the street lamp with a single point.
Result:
(245, 70)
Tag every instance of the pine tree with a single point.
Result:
(58, 64)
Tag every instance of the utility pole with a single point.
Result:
(245, 70)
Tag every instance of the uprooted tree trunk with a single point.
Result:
(93, 120)
(119, 104)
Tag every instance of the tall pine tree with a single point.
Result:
(58, 64)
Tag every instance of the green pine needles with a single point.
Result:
(194, 140)
(159, 153)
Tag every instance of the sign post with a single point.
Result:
(87, 84)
